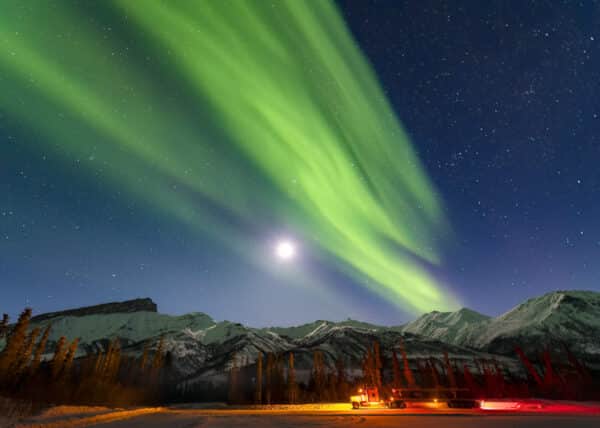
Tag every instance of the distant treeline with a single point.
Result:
(273, 379)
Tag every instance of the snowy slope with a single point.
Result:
(562, 317)
(570, 318)
(319, 327)
(451, 327)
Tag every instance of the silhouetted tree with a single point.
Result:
(396, 370)
(14, 344)
(234, 386)
(112, 361)
(144, 358)
(157, 361)
(69, 359)
(342, 387)
(259, 379)
(58, 360)
(318, 375)
(39, 350)
(24, 357)
(278, 393)
(3, 325)
(408, 374)
(269, 377)
(292, 387)
(450, 371)
(434, 373)
(377, 364)
(369, 368)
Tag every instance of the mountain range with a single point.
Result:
(203, 350)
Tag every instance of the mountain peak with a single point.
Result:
(470, 313)
(127, 306)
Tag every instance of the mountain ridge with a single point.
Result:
(203, 350)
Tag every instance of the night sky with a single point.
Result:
(499, 99)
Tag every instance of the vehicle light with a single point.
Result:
(499, 405)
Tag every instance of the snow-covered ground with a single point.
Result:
(342, 421)
(554, 414)
(81, 416)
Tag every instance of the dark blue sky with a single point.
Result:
(501, 101)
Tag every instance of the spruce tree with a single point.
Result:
(24, 357)
(232, 395)
(106, 363)
(408, 375)
(269, 378)
(3, 326)
(58, 360)
(158, 355)
(115, 361)
(396, 370)
(14, 343)
(278, 381)
(144, 358)
(377, 365)
(369, 367)
(342, 388)
(450, 371)
(259, 380)
(434, 373)
(292, 387)
(318, 374)
(69, 359)
(98, 364)
(39, 350)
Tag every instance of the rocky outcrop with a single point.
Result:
(128, 306)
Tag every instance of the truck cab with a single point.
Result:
(367, 396)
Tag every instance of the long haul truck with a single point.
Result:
(400, 398)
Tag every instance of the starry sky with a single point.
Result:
(497, 104)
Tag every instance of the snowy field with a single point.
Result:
(328, 415)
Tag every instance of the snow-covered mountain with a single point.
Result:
(203, 349)
(556, 319)
(451, 327)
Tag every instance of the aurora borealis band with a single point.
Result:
(279, 120)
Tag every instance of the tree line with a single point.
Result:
(31, 369)
(272, 379)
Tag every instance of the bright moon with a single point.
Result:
(285, 250)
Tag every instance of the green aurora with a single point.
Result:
(279, 118)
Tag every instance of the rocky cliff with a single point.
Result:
(128, 306)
